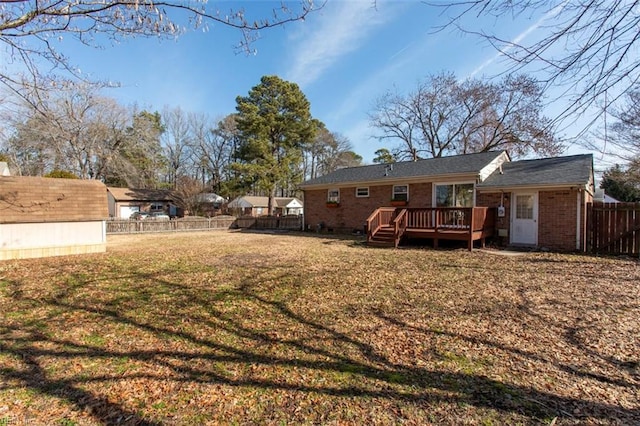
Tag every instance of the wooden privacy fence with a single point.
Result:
(127, 226)
(293, 223)
(614, 228)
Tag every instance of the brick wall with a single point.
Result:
(557, 213)
(354, 211)
(493, 199)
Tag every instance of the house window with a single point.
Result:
(454, 195)
(362, 192)
(157, 206)
(400, 193)
(333, 196)
(524, 207)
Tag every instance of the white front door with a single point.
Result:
(524, 225)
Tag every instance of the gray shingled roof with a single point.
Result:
(457, 164)
(571, 170)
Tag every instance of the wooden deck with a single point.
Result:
(387, 226)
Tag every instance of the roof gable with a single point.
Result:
(290, 203)
(467, 164)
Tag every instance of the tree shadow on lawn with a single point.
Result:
(530, 355)
(346, 354)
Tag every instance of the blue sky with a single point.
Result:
(343, 57)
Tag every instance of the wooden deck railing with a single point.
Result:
(483, 218)
(467, 223)
(380, 217)
(400, 225)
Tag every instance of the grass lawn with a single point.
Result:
(245, 328)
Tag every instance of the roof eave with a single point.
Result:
(487, 188)
(392, 181)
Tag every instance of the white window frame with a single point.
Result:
(434, 201)
(394, 192)
(333, 195)
(362, 188)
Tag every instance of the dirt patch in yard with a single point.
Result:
(236, 327)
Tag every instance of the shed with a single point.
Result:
(42, 217)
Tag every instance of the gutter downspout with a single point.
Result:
(578, 219)
(304, 216)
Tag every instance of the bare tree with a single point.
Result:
(186, 192)
(28, 154)
(27, 29)
(590, 49)
(624, 133)
(74, 129)
(315, 151)
(200, 126)
(444, 116)
(177, 141)
(215, 146)
(140, 161)
(327, 152)
(339, 155)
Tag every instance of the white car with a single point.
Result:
(159, 216)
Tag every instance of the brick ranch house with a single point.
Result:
(256, 206)
(123, 202)
(51, 217)
(536, 203)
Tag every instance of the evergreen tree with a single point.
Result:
(274, 122)
(623, 184)
(383, 156)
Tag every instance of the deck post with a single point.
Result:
(473, 209)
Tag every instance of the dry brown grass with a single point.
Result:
(246, 328)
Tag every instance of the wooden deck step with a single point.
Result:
(384, 237)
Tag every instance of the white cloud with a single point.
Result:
(341, 27)
(517, 39)
(403, 69)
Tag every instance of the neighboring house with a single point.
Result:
(42, 217)
(537, 202)
(603, 197)
(250, 205)
(4, 169)
(123, 202)
(210, 204)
